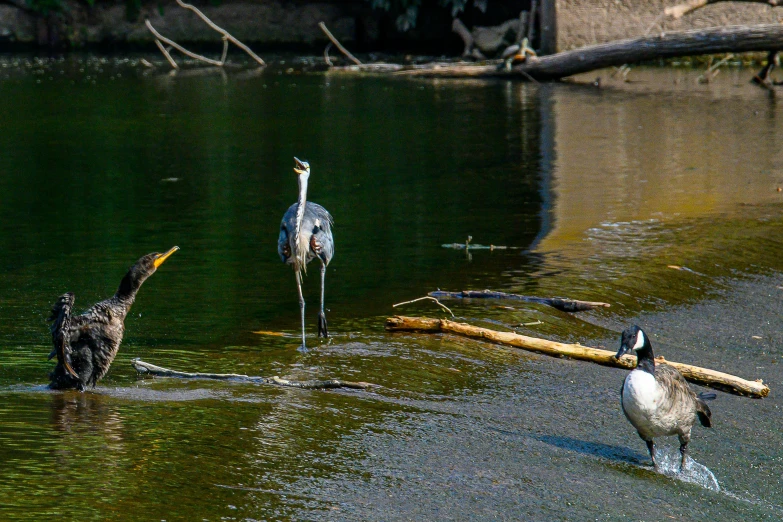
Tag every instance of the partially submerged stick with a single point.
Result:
(704, 376)
(564, 305)
(337, 43)
(151, 369)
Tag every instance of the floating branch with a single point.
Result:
(178, 47)
(426, 297)
(151, 369)
(564, 305)
(336, 44)
(730, 39)
(703, 376)
(680, 10)
(476, 246)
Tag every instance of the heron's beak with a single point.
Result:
(162, 257)
(624, 348)
(300, 167)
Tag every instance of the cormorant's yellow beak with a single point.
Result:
(161, 258)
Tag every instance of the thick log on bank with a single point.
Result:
(151, 369)
(564, 305)
(704, 376)
(729, 39)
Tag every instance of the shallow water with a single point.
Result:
(602, 190)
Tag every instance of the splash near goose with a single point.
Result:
(306, 234)
(657, 400)
(85, 345)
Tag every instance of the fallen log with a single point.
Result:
(564, 305)
(703, 376)
(729, 39)
(158, 371)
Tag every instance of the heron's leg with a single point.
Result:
(301, 307)
(322, 331)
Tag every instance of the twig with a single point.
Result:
(712, 70)
(179, 48)
(703, 376)
(151, 369)
(226, 34)
(680, 10)
(166, 54)
(336, 43)
(426, 297)
(225, 50)
(564, 305)
(326, 55)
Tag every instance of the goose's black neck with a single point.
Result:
(645, 360)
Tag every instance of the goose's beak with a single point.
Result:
(162, 257)
(624, 348)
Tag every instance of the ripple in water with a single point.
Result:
(694, 473)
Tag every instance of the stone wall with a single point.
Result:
(587, 22)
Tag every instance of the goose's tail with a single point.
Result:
(702, 410)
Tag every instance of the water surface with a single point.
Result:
(601, 190)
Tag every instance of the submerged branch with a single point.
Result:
(151, 369)
(703, 376)
(564, 305)
(336, 43)
(178, 47)
(426, 297)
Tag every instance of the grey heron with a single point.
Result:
(306, 234)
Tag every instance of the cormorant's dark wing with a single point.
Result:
(61, 338)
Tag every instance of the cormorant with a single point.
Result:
(657, 399)
(306, 234)
(86, 344)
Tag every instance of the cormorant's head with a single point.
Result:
(633, 339)
(143, 268)
(302, 168)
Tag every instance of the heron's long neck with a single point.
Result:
(300, 210)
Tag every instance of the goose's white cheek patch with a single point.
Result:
(639, 340)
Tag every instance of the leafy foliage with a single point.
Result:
(409, 9)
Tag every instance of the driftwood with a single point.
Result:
(336, 44)
(227, 37)
(680, 10)
(564, 305)
(730, 39)
(703, 376)
(151, 369)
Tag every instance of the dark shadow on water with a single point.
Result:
(596, 449)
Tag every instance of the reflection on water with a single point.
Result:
(599, 191)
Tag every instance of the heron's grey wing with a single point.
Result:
(322, 240)
(287, 227)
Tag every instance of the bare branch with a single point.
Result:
(166, 54)
(326, 55)
(179, 48)
(680, 10)
(426, 297)
(222, 31)
(151, 369)
(336, 43)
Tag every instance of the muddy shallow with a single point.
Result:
(602, 190)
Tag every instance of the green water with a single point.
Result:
(600, 190)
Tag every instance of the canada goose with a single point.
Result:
(86, 344)
(306, 234)
(657, 399)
